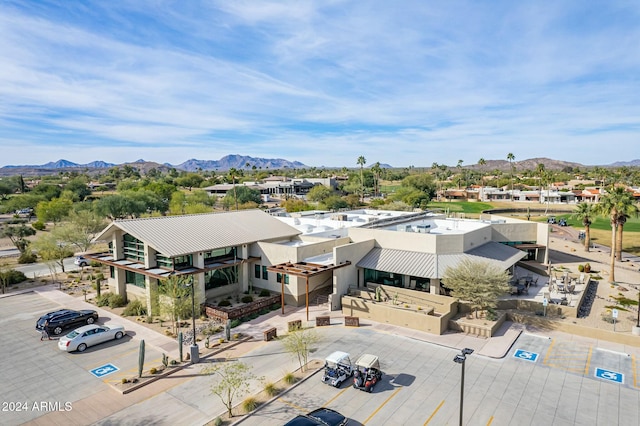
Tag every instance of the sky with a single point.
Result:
(404, 83)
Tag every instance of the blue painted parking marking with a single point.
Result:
(526, 355)
(612, 376)
(104, 370)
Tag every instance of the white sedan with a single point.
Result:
(89, 335)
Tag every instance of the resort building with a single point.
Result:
(321, 254)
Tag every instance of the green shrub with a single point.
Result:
(275, 307)
(12, 277)
(264, 293)
(270, 389)
(223, 303)
(116, 301)
(249, 404)
(103, 299)
(235, 322)
(27, 257)
(217, 421)
(580, 268)
(38, 226)
(247, 299)
(153, 370)
(95, 264)
(289, 378)
(135, 308)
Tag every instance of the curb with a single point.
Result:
(280, 395)
(157, 377)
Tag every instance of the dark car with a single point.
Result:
(56, 322)
(319, 417)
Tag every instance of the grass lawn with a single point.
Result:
(473, 209)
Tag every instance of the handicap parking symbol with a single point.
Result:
(526, 355)
(612, 376)
(104, 370)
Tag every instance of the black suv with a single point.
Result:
(58, 321)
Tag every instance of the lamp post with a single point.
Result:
(194, 350)
(460, 359)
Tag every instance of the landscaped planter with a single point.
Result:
(242, 310)
(480, 327)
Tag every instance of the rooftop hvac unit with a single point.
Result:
(423, 229)
(405, 228)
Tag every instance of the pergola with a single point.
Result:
(302, 269)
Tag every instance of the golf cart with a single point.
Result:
(337, 368)
(367, 373)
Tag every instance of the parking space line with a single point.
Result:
(546, 358)
(434, 413)
(490, 421)
(586, 367)
(291, 404)
(336, 397)
(382, 405)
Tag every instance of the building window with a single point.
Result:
(256, 271)
(221, 277)
(265, 274)
(423, 284)
(112, 272)
(382, 277)
(279, 278)
(222, 253)
(135, 279)
(133, 248)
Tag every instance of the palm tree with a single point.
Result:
(540, 171)
(459, 167)
(376, 173)
(232, 174)
(361, 162)
(511, 157)
(585, 212)
(481, 163)
(617, 203)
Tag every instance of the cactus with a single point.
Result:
(378, 292)
(180, 344)
(165, 360)
(141, 358)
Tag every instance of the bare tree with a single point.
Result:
(232, 381)
(299, 343)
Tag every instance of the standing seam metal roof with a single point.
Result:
(429, 265)
(180, 235)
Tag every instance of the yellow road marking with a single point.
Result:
(546, 358)
(336, 397)
(586, 367)
(284, 401)
(490, 421)
(434, 413)
(381, 405)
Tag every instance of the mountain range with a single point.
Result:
(242, 162)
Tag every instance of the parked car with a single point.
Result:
(337, 368)
(319, 417)
(563, 222)
(56, 322)
(367, 373)
(89, 335)
(81, 261)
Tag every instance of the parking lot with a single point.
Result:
(550, 380)
(37, 377)
(540, 381)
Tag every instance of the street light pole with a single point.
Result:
(460, 359)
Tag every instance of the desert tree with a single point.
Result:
(299, 343)
(476, 282)
(232, 380)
